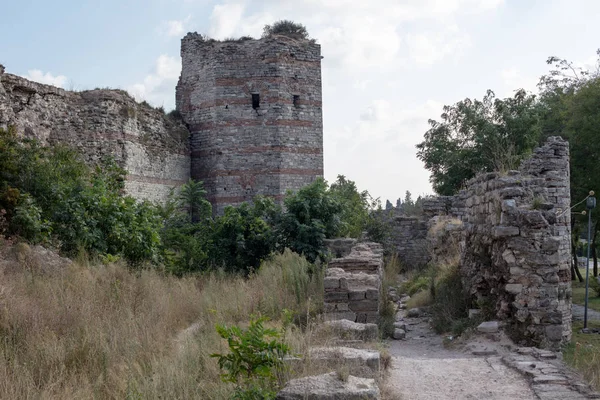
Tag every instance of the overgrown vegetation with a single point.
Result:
(286, 28)
(109, 332)
(49, 195)
(583, 353)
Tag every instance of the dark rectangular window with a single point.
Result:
(296, 100)
(255, 100)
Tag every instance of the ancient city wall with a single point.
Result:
(254, 109)
(149, 145)
(512, 233)
(517, 249)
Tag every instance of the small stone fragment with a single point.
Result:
(488, 327)
(399, 334)
(414, 313)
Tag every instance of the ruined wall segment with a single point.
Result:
(511, 235)
(352, 284)
(517, 250)
(241, 149)
(151, 146)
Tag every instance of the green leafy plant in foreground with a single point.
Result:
(255, 360)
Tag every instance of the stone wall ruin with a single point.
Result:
(513, 235)
(151, 146)
(352, 284)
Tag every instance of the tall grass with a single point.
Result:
(583, 354)
(107, 332)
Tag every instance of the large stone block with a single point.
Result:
(330, 387)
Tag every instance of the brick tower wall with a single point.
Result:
(240, 151)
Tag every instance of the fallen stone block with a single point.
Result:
(353, 330)
(489, 327)
(360, 362)
(399, 334)
(330, 387)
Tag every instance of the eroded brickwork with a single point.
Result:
(241, 149)
(149, 145)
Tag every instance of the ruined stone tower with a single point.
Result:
(253, 108)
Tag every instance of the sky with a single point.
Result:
(389, 65)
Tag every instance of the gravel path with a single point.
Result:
(422, 368)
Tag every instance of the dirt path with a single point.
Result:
(422, 368)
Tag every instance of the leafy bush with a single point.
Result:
(50, 193)
(255, 359)
(242, 238)
(312, 215)
(286, 28)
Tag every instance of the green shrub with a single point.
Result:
(286, 28)
(417, 284)
(242, 238)
(255, 361)
(312, 215)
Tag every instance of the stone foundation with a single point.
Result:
(352, 285)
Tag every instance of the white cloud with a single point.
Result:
(175, 28)
(378, 149)
(427, 48)
(46, 78)
(158, 88)
(225, 20)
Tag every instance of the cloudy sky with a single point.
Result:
(388, 67)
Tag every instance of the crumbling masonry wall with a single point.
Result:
(352, 284)
(254, 109)
(512, 234)
(517, 250)
(151, 146)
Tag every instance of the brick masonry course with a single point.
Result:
(240, 151)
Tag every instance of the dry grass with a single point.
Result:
(420, 299)
(583, 354)
(107, 332)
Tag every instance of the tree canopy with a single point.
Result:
(479, 135)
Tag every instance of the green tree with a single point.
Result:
(192, 197)
(312, 215)
(479, 135)
(570, 97)
(243, 237)
(354, 207)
